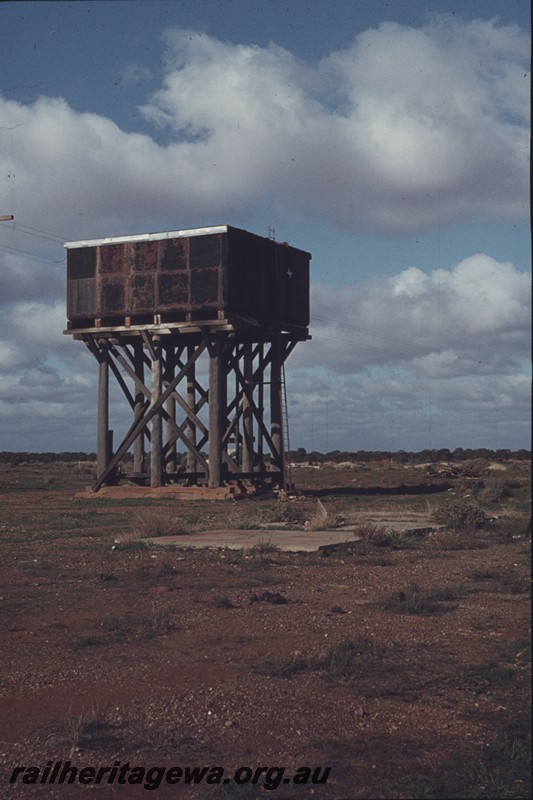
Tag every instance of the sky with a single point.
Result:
(388, 139)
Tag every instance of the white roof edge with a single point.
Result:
(147, 237)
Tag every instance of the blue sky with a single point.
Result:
(389, 139)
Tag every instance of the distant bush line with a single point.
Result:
(302, 456)
(43, 458)
(404, 457)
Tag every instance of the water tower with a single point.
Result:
(195, 326)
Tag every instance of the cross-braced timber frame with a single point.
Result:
(197, 397)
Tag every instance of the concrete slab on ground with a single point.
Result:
(295, 540)
(288, 540)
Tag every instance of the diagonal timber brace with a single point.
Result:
(220, 390)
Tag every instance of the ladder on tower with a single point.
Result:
(286, 446)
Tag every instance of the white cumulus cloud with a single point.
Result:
(405, 129)
(473, 318)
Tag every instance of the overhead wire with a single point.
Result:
(31, 256)
(28, 230)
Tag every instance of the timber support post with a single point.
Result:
(103, 453)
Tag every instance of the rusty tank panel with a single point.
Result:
(200, 273)
(174, 254)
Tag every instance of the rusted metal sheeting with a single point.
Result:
(209, 270)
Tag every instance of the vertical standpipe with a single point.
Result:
(216, 395)
(276, 408)
(247, 414)
(156, 455)
(102, 455)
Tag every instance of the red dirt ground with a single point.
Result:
(112, 652)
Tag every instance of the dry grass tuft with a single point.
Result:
(322, 519)
(156, 522)
(457, 540)
(377, 535)
(416, 600)
(84, 730)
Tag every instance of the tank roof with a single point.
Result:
(148, 237)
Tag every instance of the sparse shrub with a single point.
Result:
(275, 598)
(223, 601)
(158, 621)
(377, 535)
(129, 543)
(242, 516)
(322, 518)
(480, 678)
(457, 540)
(84, 730)
(344, 661)
(118, 629)
(509, 582)
(516, 650)
(108, 577)
(379, 561)
(285, 667)
(262, 554)
(319, 519)
(232, 557)
(514, 583)
(507, 528)
(475, 467)
(415, 600)
(264, 549)
(142, 568)
(460, 515)
(485, 575)
(412, 600)
(494, 490)
(382, 537)
(156, 522)
(292, 513)
(345, 549)
(166, 568)
(254, 515)
(88, 641)
(448, 593)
